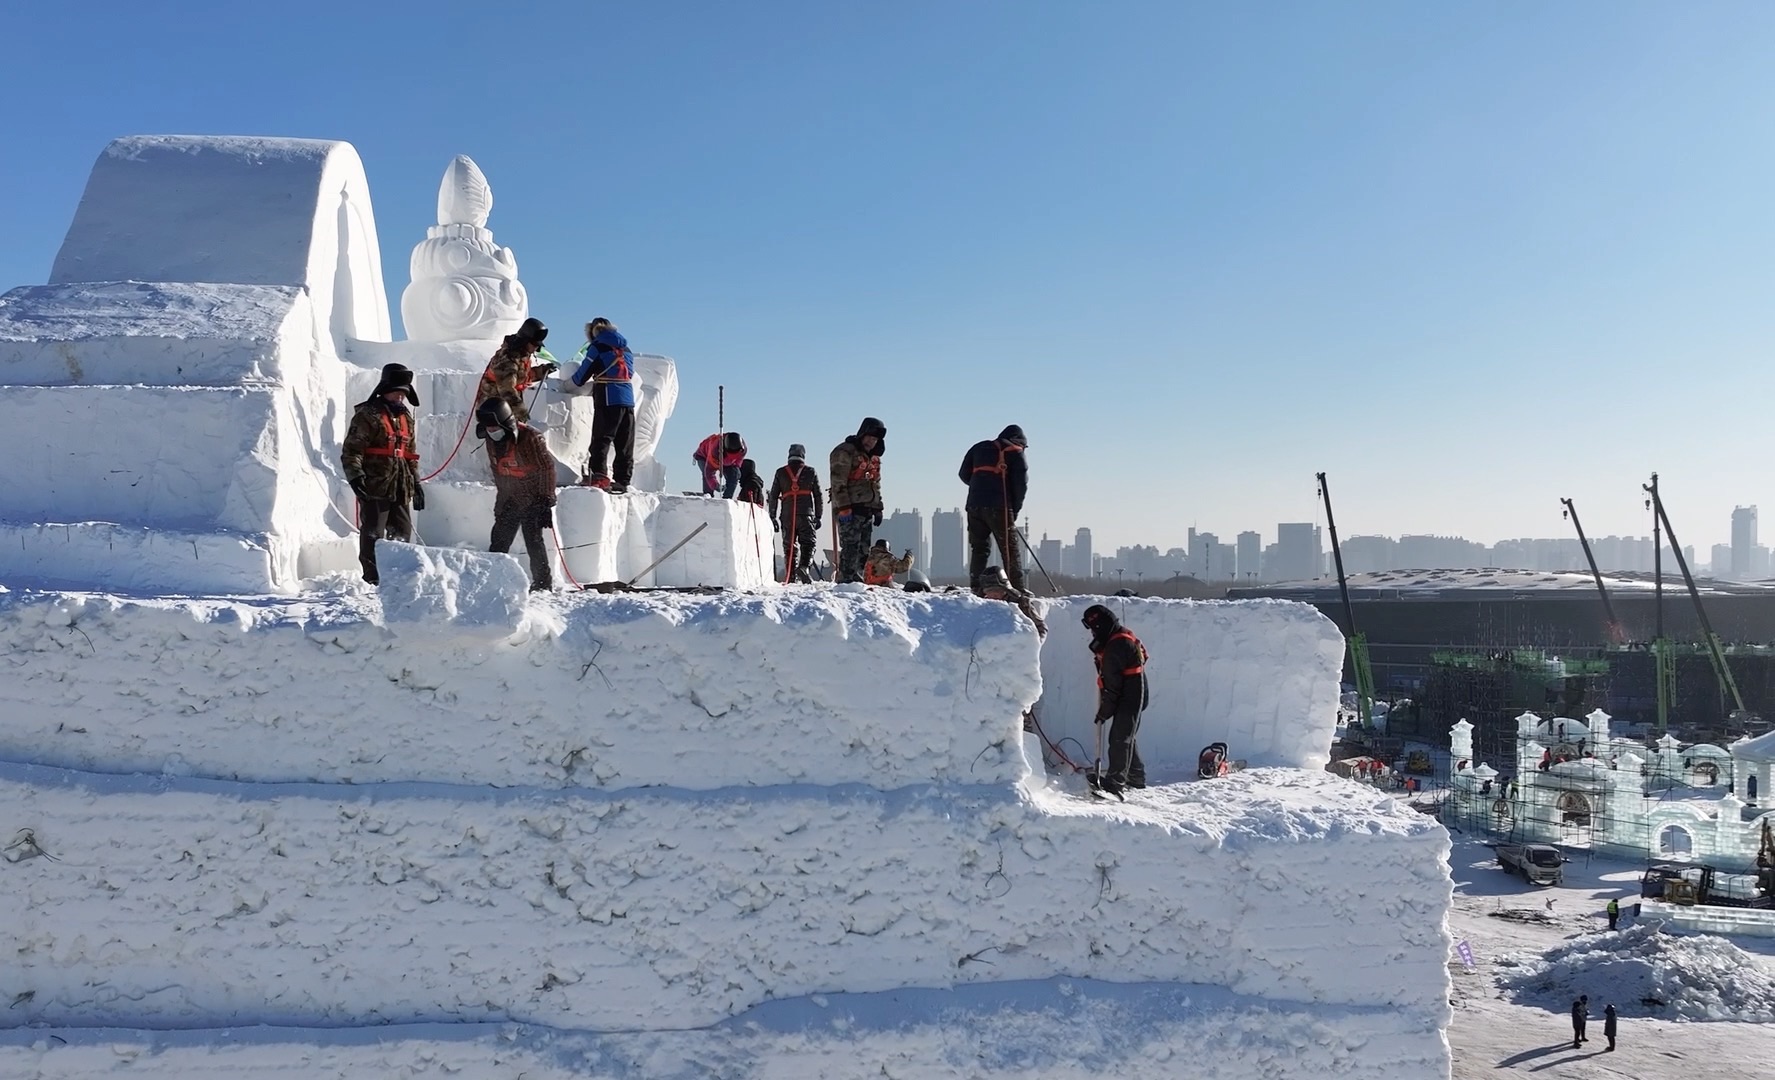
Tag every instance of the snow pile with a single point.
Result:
(1261, 676)
(1646, 972)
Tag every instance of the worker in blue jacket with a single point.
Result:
(605, 361)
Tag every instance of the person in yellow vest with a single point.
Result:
(1121, 697)
(381, 463)
(1614, 910)
(881, 566)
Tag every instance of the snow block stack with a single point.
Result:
(707, 829)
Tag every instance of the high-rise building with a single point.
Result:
(1049, 553)
(1084, 563)
(1720, 562)
(948, 553)
(1297, 552)
(1744, 542)
(1250, 557)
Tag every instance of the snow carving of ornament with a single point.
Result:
(464, 286)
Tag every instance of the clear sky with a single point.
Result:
(1467, 258)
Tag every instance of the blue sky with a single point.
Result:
(1466, 258)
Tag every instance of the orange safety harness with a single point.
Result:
(1123, 634)
(791, 542)
(399, 430)
(871, 576)
(1004, 486)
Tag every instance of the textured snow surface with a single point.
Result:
(1259, 675)
(1678, 976)
(464, 590)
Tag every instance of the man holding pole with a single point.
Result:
(997, 476)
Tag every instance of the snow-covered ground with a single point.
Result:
(1537, 947)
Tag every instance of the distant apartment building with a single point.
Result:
(1049, 551)
(948, 550)
(1370, 554)
(1720, 561)
(1077, 560)
(1298, 553)
(1249, 557)
(1744, 542)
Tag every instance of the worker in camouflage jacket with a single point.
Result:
(796, 508)
(381, 463)
(524, 485)
(518, 364)
(881, 566)
(856, 494)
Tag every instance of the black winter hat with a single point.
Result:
(797, 452)
(396, 377)
(733, 443)
(1099, 619)
(872, 426)
(533, 330)
(496, 413)
(1013, 434)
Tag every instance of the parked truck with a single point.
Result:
(1541, 864)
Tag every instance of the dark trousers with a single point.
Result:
(378, 519)
(1125, 767)
(510, 515)
(726, 478)
(798, 534)
(613, 425)
(853, 544)
(1614, 916)
(984, 526)
(1578, 1035)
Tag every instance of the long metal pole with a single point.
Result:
(1657, 560)
(1337, 554)
(1714, 652)
(1608, 610)
(1358, 644)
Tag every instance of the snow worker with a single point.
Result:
(524, 479)
(751, 484)
(719, 457)
(1580, 1015)
(856, 494)
(1121, 696)
(993, 585)
(605, 362)
(881, 566)
(1608, 1024)
(516, 366)
(795, 507)
(997, 477)
(1614, 910)
(381, 463)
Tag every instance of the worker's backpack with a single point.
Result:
(1213, 761)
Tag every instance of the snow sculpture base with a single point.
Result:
(714, 827)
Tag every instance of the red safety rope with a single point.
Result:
(562, 555)
(1052, 747)
(469, 419)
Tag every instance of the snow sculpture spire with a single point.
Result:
(464, 285)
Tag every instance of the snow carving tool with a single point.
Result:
(629, 585)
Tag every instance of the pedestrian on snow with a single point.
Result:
(856, 494)
(1121, 696)
(1614, 910)
(1608, 1024)
(605, 362)
(751, 484)
(523, 482)
(519, 364)
(796, 509)
(881, 566)
(995, 586)
(381, 463)
(719, 457)
(1580, 1014)
(997, 476)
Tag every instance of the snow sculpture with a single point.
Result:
(464, 286)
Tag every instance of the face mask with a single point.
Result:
(496, 434)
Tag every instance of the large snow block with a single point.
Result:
(142, 333)
(134, 559)
(1260, 675)
(438, 587)
(666, 909)
(792, 686)
(234, 210)
(733, 551)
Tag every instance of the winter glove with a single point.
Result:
(418, 497)
(357, 488)
(878, 517)
(545, 516)
(547, 368)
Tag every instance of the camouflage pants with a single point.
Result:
(853, 544)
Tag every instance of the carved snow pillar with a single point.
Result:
(464, 286)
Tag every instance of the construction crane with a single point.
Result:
(1715, 651)
(1358, 644)
(1613, 625)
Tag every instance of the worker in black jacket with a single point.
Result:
(794, 505)
(997, 477)
(1121, 697)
